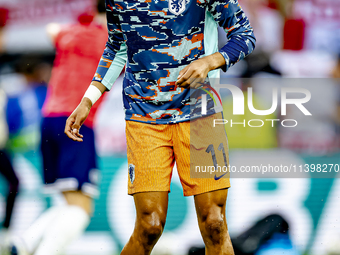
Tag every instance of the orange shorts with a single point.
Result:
(152, 150)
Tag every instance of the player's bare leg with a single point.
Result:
(68, 225)
(210, 208)
(56, 227)
(78, 198)
(151, 209)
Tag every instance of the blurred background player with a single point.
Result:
(68, 167)
(7, 171)
(6, 168)
(24, 122)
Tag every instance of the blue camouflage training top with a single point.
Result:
(156, 39)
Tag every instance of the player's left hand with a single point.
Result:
(194, 74)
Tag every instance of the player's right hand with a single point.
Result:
(76, 119)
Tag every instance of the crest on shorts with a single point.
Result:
(132, 173)
(177, 6)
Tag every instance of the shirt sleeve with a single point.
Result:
(241, 40)
(114, 56)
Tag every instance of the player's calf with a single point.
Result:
(215, 234)
(148, 230)
(210, 209)
(151, 208)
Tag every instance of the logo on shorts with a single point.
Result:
(132, 173)
(219, 177)
(177, 6)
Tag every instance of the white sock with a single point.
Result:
(67, 227)
(34, 233)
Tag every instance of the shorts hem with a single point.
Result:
(71, 184)
(201, 191)
(132, 192)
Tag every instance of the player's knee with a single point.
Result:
(214, 227)
(153, 231)
(153, 226)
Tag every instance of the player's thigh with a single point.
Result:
(78, 198)
(150, 157)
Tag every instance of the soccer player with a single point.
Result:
(6, 168)
(169, 47)
(7, 171)
(69, 168)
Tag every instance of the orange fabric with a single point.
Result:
(153, 149)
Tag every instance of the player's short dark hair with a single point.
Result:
(101, 8)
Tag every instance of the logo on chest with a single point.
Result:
(177, 6)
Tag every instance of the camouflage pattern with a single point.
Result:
(158, 38)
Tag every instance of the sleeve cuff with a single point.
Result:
(227, 60)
